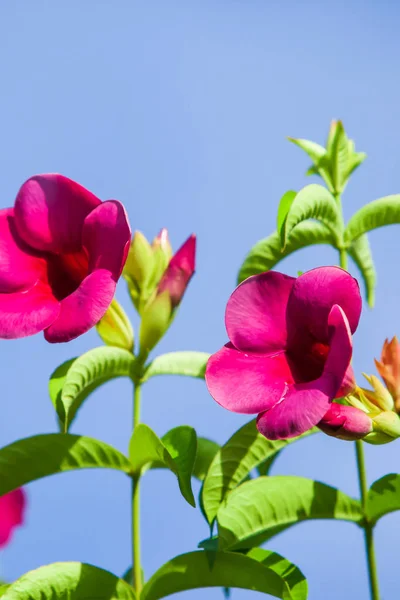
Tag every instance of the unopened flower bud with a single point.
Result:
(386, 428)
(159, 312)
(179, 271)
(346, 422)
(140, 259)
(162, 254)
(115, 329)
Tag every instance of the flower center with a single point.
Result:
(66, 272)
(307, 363)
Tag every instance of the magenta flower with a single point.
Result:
(12, 508)
(179, 272)
(346, 422)
(62, 251)
(290, 348)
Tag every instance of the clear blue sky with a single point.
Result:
(180, 110)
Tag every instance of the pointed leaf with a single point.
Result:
(315, 151)
(383, 497)
(69, 581)
(355, 160)
(265, 467)
(216, 569)
(206, 451)
(360, 252)
(242, 453)
(260, 508)
(267, 253)
(189, 364)
(283, 208)
(312, 202)
(338, 151)
(313, 170)
(42, 455)
(291, 574)
(181, 443)
(320, 158)
(73, 381)
(176, 452)
(381, 212)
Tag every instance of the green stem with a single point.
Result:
(368, 528)
(362, 477)
(343, 258)
(136, 550)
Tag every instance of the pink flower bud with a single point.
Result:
(346, 422)
(179, 272)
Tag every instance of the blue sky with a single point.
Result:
(181, 111)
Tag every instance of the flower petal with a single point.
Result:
(12, 507)
(313, 295)
(80, 311)
(20, 267)
(106, 236)
(247, 383)
(50, 210)
(255, 316)
(346, 422)
(27, 313)
(305, 404)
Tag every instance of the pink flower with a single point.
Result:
(62, 251)
(346, 422)
(179, 272)
(12, 508)
(290, 348)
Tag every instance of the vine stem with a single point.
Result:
(136, 546)
(368, 528)
(363, 484)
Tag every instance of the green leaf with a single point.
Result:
(319, 156)
(383, 497)
(313, 170)
(283, 567)
(267, 253)
(42, 455)
(181, 443)
(265, 467)
(283, 208)
(338, 151)
(206, 451)
(215, 569)
(3, 588)
(73, 381)
(315, 151)
(176, 452)
(263, 507)
(360, 252)
(69, 581)
(312, 202)
(242, 453)
(189, 364)
(381, 212)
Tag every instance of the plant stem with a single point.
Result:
(368, 528)
(343, 258)
(136, 551)
(362, 474)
